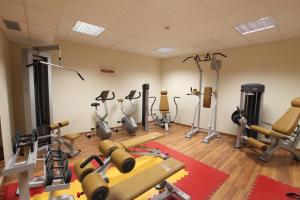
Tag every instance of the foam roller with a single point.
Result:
(59, 124)
(82, 172)
(207, 97)
(122, 160)
(63, 123)
(257, 144)
(106, 147)
(94, 187)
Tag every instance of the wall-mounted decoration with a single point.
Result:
(107, 71)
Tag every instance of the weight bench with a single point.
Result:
(285, 133)
(94, 187)
(119, 155)
(57, 137)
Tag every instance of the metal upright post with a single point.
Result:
(145, 106)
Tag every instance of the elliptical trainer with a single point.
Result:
(128, 121)
(102, 128)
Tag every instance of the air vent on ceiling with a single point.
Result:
(12, 25)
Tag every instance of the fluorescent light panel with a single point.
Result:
(165, 50)
(254, 26)
(88, 29)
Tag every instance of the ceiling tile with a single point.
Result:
(224, 34)
(248, 13)
(210, 26)
(110, 35)
(222, 7)
(54, 6)
(268, 35)
(182, 10)
(146, 18)
(17, 1)
(93, 16)
(208, 46)
(282, 5)
(234, 42)
(292, 34)
(66, 23)
(84, 2)
(72, 9)
(287, 16)
(42, 18)
(61, 33)
(41, 34)
(17, 37)
(79, 37)
(290, 27)
(115, 7)
(12, 10)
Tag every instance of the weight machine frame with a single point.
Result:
(215, 65)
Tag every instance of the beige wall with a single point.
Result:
(5, 97)
(276, 65)
(72, 97)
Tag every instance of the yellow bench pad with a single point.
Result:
(144, 181)
(141, 139)
(72, 136)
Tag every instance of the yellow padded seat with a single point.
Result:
(164, 103)
(144, 181)
(72, 136)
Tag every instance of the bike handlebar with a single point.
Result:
(127, 97)
(98, 98)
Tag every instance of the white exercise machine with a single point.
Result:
(208, 93)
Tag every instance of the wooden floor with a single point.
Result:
(242, 165)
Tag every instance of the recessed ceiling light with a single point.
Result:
(254, 26)
(88, 29)
(165, 50)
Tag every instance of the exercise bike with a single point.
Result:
(128, 122)
(102, 128)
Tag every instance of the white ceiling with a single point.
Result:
(137, 26)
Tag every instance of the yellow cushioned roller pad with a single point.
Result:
(296, 102)
(59, 124)
(260, 129)
(141, 140)
(82, 172)
(257, 144)
(94, 187)
(106, 147)
(122, 160)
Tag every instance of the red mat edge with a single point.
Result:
(272, 179)
(225, 180)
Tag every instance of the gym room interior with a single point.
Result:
(149, 99)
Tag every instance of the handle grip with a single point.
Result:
(93, 157)
(80, 76)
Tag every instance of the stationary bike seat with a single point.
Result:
(95, 104)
